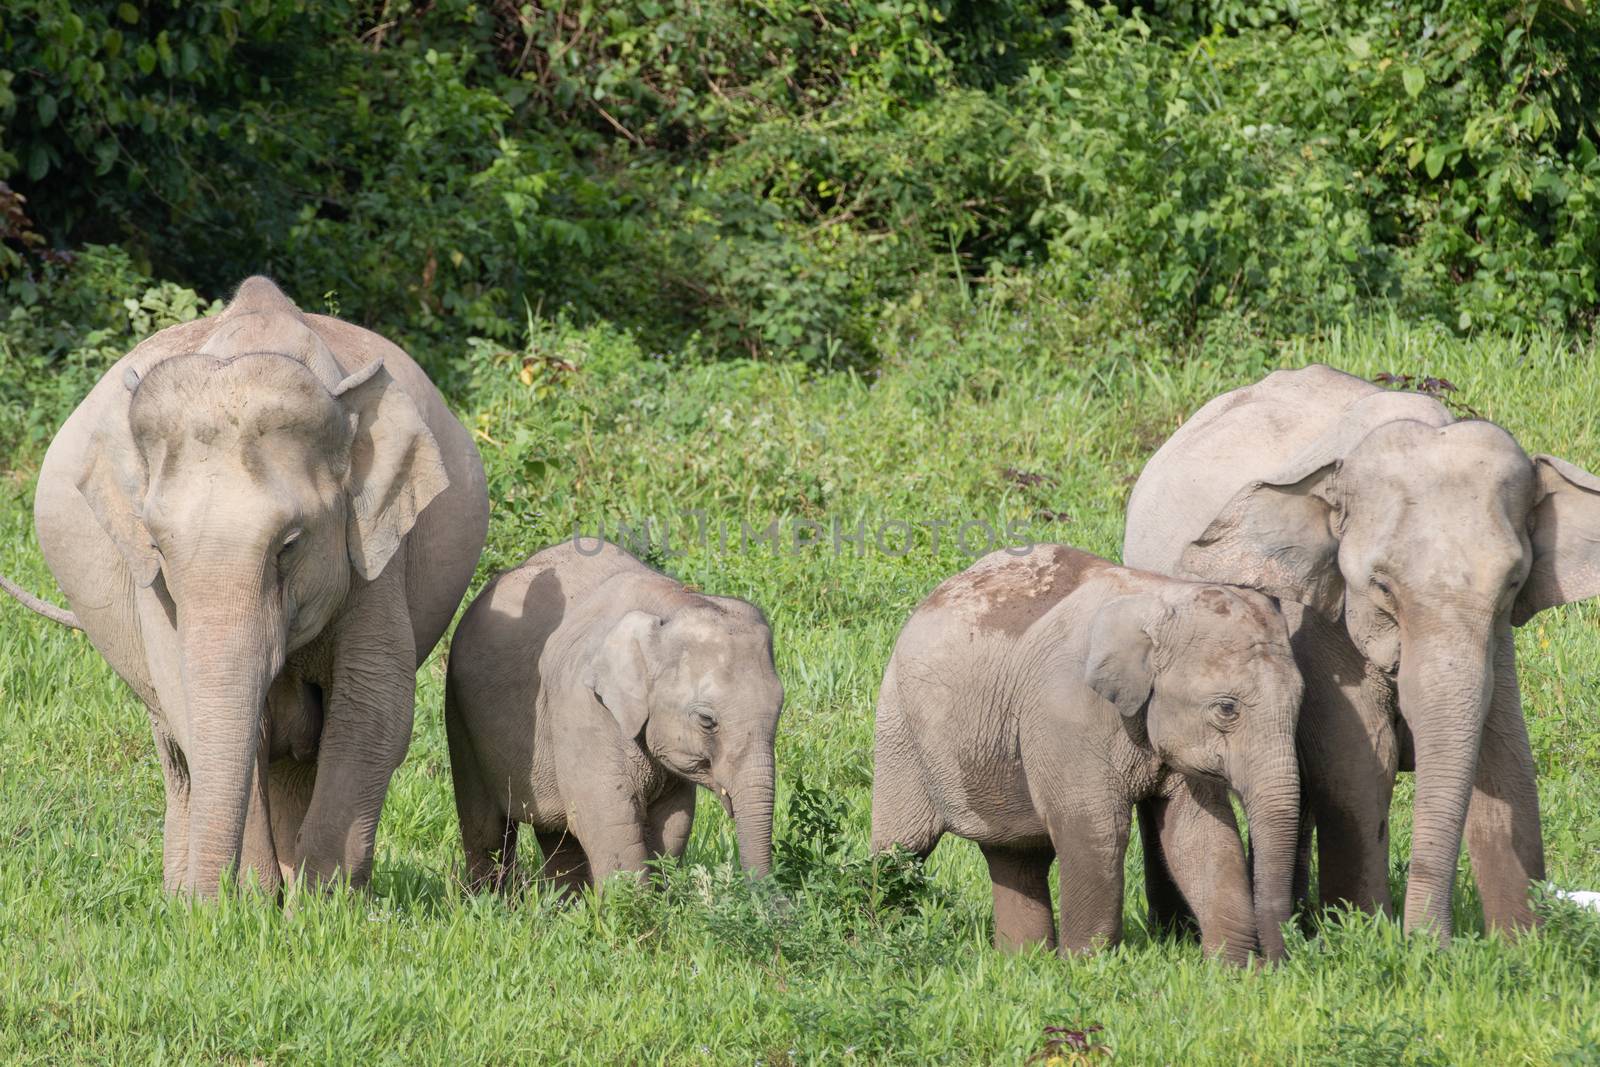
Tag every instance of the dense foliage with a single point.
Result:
(768, 178)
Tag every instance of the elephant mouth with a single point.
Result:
(695, 766)
(1210, 773)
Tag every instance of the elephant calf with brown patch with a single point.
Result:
(588, 695)
(1031, 701)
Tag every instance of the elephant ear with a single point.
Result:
(1276, 535)
(114, 482)
(395, 467)
(1565, 531)
(1121, 664)
(619, 676)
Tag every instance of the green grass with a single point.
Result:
(829, 965)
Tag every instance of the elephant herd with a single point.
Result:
(265, 521)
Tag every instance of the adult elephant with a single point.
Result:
(264, 521)
(1406, 545)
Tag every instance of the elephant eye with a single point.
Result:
(706, 721)
(289, 541)
(1225, 711)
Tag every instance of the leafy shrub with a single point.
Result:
(1139, 167)
(172, 114)
(820, 909)
(1442, 159)
(72, 320)
(780, 179)
(814, 848)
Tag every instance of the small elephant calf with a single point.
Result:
(588, 695)
(1032, 699)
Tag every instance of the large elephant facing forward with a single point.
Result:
(264, 521)
(1411, 543)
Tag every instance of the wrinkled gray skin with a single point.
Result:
(1032, 700)
(1405, 545)
(264, 520)
(588, 695)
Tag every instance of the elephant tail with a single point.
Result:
(40, 607)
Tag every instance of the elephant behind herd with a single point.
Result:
(1405, 545)
(265, 520)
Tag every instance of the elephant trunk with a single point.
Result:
(752, 813)
(1445, 682)
(1272, 809)
(229, 658)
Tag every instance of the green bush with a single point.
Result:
(161, 124)
(75, 316)
(778, 178)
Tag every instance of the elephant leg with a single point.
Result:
(366, 731)
(1170, 914)
(258, 860)
(1091, 847)
(1302, 870)
(289, 786)
(488, 832)
(902, 812)
(1503, 835)
(1349, 758)
(565, 867)
(903, 815)
(1199, 838)
(669, 821)
(608, 821)
(354, 766)
(1022, 915)
(175, 825)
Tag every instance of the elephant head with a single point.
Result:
(1209, 671)
(255, 484)
(698, 682)
(1429, 538)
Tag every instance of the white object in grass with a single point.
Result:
(1582, 897)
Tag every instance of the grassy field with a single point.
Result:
(1007, 418)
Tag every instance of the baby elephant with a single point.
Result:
(1032, 699)
(588, 695)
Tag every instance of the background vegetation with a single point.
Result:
(828, 261)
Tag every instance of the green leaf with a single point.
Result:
(47, 109)
(1434, 161)
(128, 13)
(145, 56)
(1414, 80)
